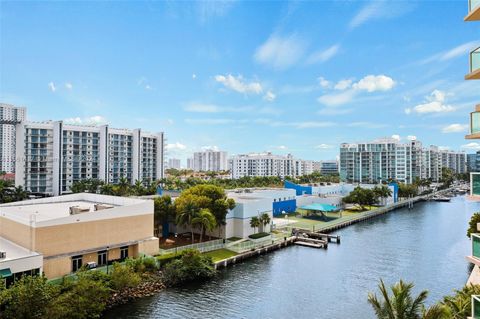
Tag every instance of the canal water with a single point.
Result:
(426, 245)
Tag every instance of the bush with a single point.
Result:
(258, 235)
(459, 305)
(472, 225)
(165, 259)
(142, 264)
(124, 276)
(191, 266)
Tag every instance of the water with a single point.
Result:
(426, 245)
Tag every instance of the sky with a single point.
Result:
(295, 77)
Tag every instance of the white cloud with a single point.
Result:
(337, 99)
(280, 52)
(269, 96)
(52, 87)
(323, 82)
(455, 128)
(396, 137)
(379, 9)
(238, 84)
(210, 121)
(411, 138)
(458, 51)
(194, 76)
(368, 125)
(92, 120)
(323, 146)
(333, 111)
(434, 103)
(208, 147)
(323, 56)
(176, 146)
(282, 147)
(202, 108)
(68, 86)
(472, 146)
(343, 84)
(372, 83)
(312, 124)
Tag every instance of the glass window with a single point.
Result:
(123, 252)
(76, 263)
(102, 258)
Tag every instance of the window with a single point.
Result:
(123, 252)
(76, 263)
(102, 258)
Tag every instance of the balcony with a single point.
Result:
(473, 10)
(475, 307)
(474, 258)
(474, 124)
(474, 65)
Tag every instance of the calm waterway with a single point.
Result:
(426, 245)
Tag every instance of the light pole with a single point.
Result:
(176, 247)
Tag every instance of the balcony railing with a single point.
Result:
(474, 65)
(473, 10)
(475, 307)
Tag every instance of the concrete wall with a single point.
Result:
(18, 233)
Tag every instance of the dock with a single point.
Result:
(310, 242)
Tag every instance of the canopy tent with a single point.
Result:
(321, 208)
(4, 273)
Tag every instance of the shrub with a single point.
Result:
(124, 276)
(142, 264)
(191, 266)
(472, 225)
(258, 235)
(29, 297)
(460, 304)
(165, 259)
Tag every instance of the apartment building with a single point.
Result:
(389, 159)
(326, 167)
(265, 164)
(174, 163)
(10, 115)
(51, 156)
(57, 235)
(210, 161)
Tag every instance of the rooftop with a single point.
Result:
(14, 251)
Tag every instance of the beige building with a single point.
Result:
(73, 230)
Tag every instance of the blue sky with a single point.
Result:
(299, 77)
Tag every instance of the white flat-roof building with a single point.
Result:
(51, 156)
(265, 164)
(71, 230)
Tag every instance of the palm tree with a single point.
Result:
(123, 186)
(19, 193)
(264, 220)
(254, 223)
(138, 188)
(187, 210)
(401, 304)
(107, 189)
(206, 220)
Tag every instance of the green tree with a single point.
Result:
(192, 265)
(164, 211)
(264, 220)
(402, 305)
(382, 192)
(361, 197)
(123, 187)
(188, 207)
(124, 276)
(29, 297)
(84, 297)
(255, 223)
(407, 190)
(472, 224)
(205, 220)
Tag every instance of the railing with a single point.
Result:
(473, 4)
(476, 246)
(202, 247)
(251, 245)
(475, 307)
(474, 122)
(475, 59)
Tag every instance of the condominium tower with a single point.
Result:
(9, 116)
(54, 155)
(210, 160)
(389, 159)
(265, 164)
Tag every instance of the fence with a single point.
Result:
(202, 247)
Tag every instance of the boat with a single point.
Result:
(441, 198)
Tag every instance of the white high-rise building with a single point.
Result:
(210, 160)
(389, 159)
(265, 164)
(190, 163)
(174, 163)
(9, 116)
(55, 155)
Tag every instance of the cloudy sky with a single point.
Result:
(299, 77)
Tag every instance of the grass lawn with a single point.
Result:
(234, 238)
(220, 254)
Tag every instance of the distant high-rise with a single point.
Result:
(190, 163)
(55, 155)
(210, 160)
(9, 116)
(390, 159)
(174, 163)
(265, 164)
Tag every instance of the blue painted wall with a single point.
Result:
(395, 191)
(301, 190)
(288, 206)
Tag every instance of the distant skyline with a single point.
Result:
(287, 77)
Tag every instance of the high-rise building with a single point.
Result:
(389, 159)
(325, 167)
(174, 163)
(190, 163)
(210, 160)
(473, 162)
(9, 116)
(54, 155)
(265, 164)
